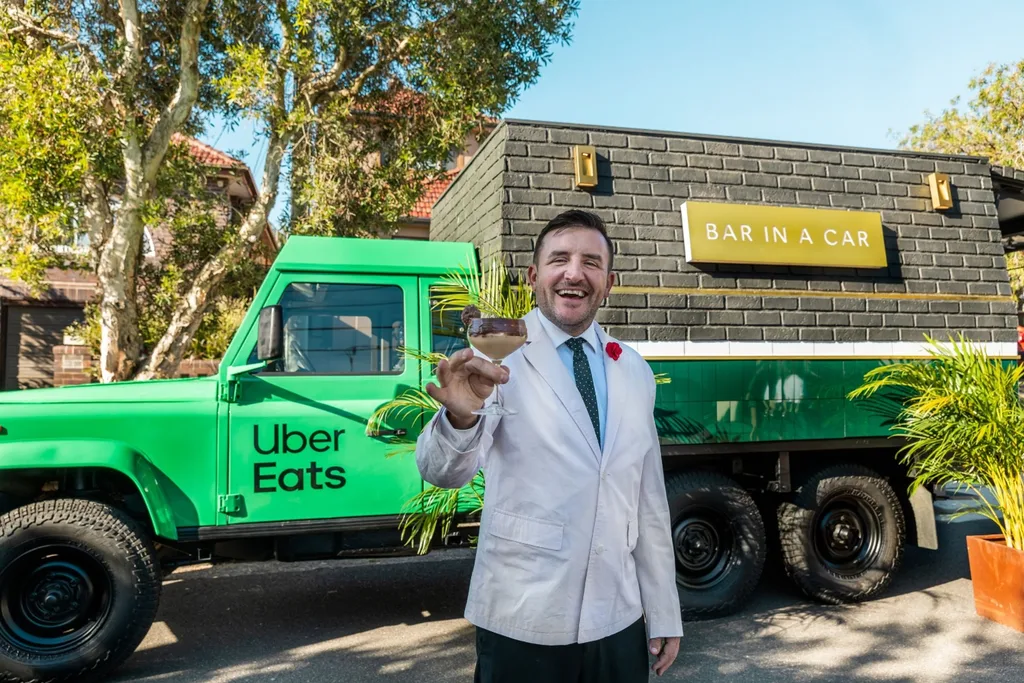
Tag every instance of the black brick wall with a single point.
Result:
(523, 176)
(473, 207)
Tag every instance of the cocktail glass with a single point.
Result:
(496, 338)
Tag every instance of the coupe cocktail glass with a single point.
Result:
(496, 338)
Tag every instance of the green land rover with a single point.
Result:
(106, 487)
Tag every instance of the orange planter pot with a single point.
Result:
(997, 573)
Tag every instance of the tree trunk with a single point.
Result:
(167, 354)
(120, 345)
(120, 340)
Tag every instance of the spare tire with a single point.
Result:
(79, 588)
(842, 535)
(719, 541)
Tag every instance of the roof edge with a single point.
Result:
(502, 124)
(744, 140)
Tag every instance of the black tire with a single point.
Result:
(842, 536)
(79, 589)
(719, 542)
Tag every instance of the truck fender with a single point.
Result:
(104, 454)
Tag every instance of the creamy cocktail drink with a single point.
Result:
(496, 338)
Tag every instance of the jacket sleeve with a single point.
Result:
(448, 457)
(654, 555)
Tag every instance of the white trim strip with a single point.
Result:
(762, 349)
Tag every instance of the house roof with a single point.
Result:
(206, 154)
(433, 192)
(211, 156)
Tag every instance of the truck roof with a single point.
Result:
(359, 255)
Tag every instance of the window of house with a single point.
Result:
(342, 329)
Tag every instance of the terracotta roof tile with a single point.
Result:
(433, 192)
(208, 155)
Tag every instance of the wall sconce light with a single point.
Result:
(584, 161)
(942, 191)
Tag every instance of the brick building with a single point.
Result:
(946, 269)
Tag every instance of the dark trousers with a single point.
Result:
(620, 658)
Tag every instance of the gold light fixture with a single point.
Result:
(942, 191)
(584, 161)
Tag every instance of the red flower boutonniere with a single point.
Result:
(613, 350)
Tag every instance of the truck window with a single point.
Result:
(342, 329)
(447, 333)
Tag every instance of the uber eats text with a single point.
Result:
(268, 479)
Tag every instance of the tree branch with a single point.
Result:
(329, 78)
(180, 106)
(327, 82)
(132, 60)
(188, 314)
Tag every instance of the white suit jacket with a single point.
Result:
(574, 540)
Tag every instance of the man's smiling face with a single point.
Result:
(570, 278)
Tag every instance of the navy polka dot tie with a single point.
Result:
(585, 382)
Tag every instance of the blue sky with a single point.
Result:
(830, 72)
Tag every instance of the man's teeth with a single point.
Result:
(579, 294)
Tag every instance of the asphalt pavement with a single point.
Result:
(400, 620)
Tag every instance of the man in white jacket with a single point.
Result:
(574, 578)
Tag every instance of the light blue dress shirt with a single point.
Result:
(595, 358)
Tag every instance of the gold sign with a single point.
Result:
(784, 236)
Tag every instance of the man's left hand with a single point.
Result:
(665, 649)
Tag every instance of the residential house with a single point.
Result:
(32, 325)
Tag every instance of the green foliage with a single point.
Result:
(358, 105)
(496, 292)
(377, 95)
(992, 126)
(49, 137)
(962, 417)
(434, 509)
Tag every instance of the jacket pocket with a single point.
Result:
(526, 530)
(632, 533)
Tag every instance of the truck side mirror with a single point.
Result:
(270, 342)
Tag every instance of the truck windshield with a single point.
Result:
(342, 329)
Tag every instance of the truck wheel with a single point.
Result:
(78, 590)
(719, 542)
(842, 536)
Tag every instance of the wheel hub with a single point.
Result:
(53, 598)
(703, 548)
(57, 597)
(847, 534)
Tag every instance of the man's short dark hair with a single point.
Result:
(575, 218)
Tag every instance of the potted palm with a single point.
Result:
(962, 417)
(493, 293)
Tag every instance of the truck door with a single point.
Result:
(298, 448)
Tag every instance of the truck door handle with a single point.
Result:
(390, 432)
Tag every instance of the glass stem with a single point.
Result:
(497, 387)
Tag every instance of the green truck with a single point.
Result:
(106, 487)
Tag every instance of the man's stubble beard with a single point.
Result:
(546, 307)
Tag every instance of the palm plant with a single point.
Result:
(963, 420)
(495, 294)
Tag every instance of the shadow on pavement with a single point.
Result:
(923, 630)
(403, 622)
(394, 622)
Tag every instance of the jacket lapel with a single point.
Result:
(540, 352)
(616, 381)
